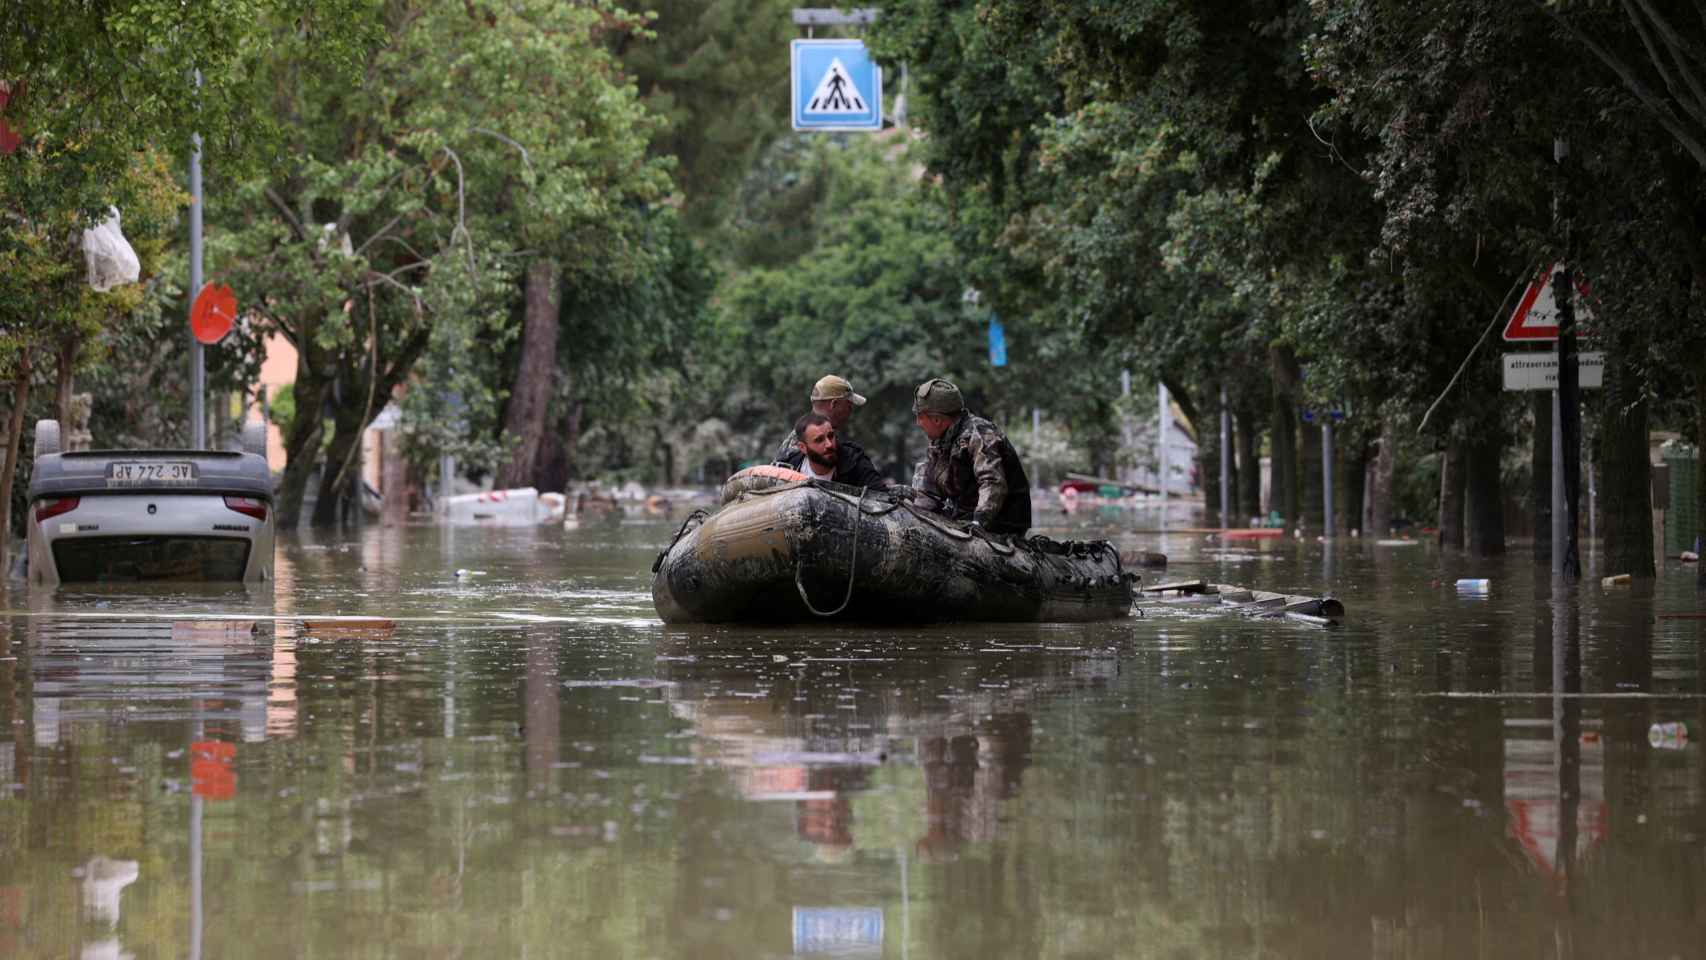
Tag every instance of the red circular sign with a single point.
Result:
(213, 312)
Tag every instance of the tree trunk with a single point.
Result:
(301, 445)
(1486, 498)
(572, 435)
(1380, 492)
(1451, 476)
(525, 420)
(1699, 473)
(551, 471)
(1208, 470)
(1250, 467)
(1282, 481)
(62, 398)
(14, 440)
(1235, 513)
(1309, 457)
(392, 479)
(1626, 475)
(1287, 495)
(1349, 480)
(349, 422)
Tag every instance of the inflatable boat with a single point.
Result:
(786, 549)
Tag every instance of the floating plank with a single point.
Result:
(1178, 586)
(1252, 533)
(1243, 600)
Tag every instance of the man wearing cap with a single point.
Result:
(971, 466)
(834, 398)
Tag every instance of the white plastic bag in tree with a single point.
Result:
(111, 260)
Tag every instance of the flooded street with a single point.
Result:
(523, 761)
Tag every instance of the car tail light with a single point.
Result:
(248, 506)
(48, 509)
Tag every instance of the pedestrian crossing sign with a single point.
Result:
(836, 86)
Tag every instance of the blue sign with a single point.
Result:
(997, 343)
(838, 930)
(837, 86)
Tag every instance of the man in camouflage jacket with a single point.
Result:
(971, 467)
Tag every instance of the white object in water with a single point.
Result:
(494, 508)
(1473, 586)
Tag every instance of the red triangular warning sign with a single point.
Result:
(1536, 314)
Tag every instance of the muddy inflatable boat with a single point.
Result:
(784, 549)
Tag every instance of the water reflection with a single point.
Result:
(511, 766)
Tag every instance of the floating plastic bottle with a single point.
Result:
(1668, 736)
(1473, 586)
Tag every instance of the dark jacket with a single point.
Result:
(852, 465)
(976, 471)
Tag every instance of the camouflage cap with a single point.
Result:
(833, 387)
(937, 396)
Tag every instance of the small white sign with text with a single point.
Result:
(1539, 371)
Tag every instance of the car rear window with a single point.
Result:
(135, 559)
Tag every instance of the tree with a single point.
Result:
(716, 73)
(94, 99)
(481, 136)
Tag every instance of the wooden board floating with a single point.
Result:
(1323, 611)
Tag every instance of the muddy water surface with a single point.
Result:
(525, 762)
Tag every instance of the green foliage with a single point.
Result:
(877, 295)
(716, 73)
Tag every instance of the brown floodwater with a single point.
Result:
(525, 763)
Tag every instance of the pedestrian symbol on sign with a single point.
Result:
(835, 86)
(836, 92)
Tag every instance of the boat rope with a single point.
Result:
(852, 565)
(699, 516)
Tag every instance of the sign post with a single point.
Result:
(1553, 307)
(198, 369)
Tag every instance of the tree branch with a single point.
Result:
(289, 215)
(462, 213)
(374, 278)
(1653, 104)
(378, 233)
(1681, 55)
(519, 148)
(1657, 59)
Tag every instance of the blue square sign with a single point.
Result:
(837, 86)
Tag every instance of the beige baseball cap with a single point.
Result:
(833, 387)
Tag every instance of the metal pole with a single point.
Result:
(196, 802)
(1161, 448)
(1326, 476)
(1126, 439)
(1225, 461)
(1566, 420)
(198, 371)
(1570, 423)
(1557, 486)
(446, 470)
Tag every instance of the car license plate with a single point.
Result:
(169, 473)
